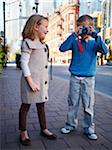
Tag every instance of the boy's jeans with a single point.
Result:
(84, 89)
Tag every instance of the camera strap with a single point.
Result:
(80, 46)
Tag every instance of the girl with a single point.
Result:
(34, 80)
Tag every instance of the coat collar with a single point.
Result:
(35, 44)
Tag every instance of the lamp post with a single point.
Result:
(4, 26)
(20, 7)
(20, 17)
(36, 3)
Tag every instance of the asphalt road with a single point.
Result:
(103, 77)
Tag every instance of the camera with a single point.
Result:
(84, 30)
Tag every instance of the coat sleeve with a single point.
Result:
(25, 56)
(67, 44)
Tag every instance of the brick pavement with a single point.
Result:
(56, 110)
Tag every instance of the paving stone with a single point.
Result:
(59, 144)
(56, 110)
(36, 145)
(10, 146)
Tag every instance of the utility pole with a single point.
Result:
(4, 26)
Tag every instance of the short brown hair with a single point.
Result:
(28, 31)
(84, 18)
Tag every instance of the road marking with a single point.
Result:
(105, 73)
(105, 95)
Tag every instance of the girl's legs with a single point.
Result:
(23, 119)
(41, 115)
(42, 120)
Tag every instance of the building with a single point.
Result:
(62, 22)
(103, 25)
(107, 16)
(107, 25)
(15, 17)
(16, 14)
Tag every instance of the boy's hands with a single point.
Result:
(35, 87)
(93, 33)
(92, 30)
(85, 31)
(78, 30)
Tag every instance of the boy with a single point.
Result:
(83, 70)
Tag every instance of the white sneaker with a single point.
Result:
(92, 136)
(66, 131)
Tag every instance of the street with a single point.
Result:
(56, 110)
(103, 77)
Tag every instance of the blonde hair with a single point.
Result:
(28, 30)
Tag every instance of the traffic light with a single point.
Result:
(99, 21)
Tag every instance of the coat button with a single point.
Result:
(46, 66)
(45, 82)
(45, 97)
(45, 49)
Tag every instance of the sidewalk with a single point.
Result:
(56, 110)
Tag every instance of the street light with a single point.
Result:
(36, 3)
(20, 17)
(20, 7)
(4, 25)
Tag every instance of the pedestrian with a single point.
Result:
(84, 44)
(34, 80)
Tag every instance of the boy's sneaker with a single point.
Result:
(91, 136)
(65, 130)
